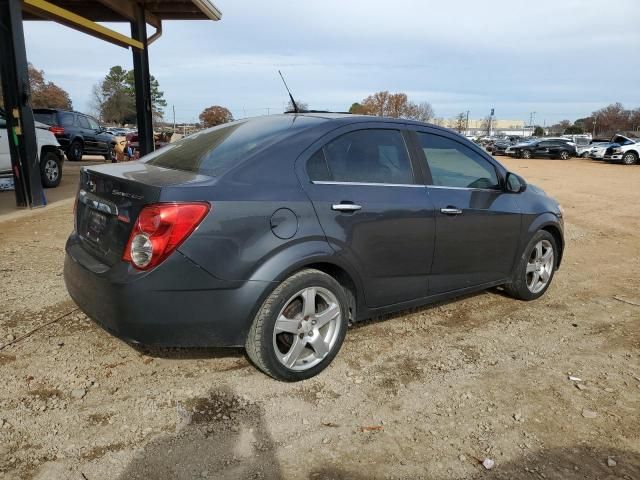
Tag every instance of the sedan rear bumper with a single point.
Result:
(177, 304)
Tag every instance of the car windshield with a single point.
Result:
(214, 151)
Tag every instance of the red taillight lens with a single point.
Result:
(160, 229)
(56, 130)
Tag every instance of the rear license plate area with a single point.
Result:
(97, 223)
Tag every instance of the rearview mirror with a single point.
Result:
(515, 183)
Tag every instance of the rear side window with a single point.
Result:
(363, 156)
(48, 118)
(454, 165)
(214, 151)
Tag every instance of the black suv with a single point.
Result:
(553, 148)
(77, 133)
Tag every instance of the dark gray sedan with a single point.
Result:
(274, 233)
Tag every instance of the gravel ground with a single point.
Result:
(428, 394)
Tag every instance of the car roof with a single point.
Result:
(348, 118)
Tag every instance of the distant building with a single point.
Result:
(478, 127)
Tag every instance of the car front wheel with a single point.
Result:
(50, 170)
(630, 158)
(300, 327)
(535, 268)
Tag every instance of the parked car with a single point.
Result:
(50, 156)
(626, 150)
(599, 150)
(78, 134)
(500, 146)
(273, 233)
(546, 147)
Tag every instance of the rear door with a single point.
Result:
(88, 134)
(477, 222)
(100, 138)
(373, 208)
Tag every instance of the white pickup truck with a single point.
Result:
(49, 154)
(625, 150)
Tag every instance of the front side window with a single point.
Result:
(363, 156)
(454, 165)
(94, 125)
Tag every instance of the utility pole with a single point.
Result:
(595, 121)
(467, 124)
(174, 118)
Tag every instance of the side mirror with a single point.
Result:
(515, 183)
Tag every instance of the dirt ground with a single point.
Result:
(427, 394)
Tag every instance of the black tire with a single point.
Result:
(526, 154)
(50, 170)
(75, 151)
(261, 343)
(564, 155)
(518, 287)
(630, 158)
(110, 156)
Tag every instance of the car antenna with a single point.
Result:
(293, 102)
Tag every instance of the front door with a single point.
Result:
(88, 134)
(477, 222)
(373, 210)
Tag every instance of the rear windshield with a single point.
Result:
(214, 151)
(48, 118)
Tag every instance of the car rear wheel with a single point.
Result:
(526, 154)
(535, 268)
(630, 158)
(564, 155)
(300, 327)
(75, 151)
(50, 170)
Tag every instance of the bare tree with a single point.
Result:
(423, 112)
(395, 105)
(461, 122)
(302, 106)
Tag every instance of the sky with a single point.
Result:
(560, 59)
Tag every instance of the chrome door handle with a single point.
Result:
(451, 211)
(346, 207)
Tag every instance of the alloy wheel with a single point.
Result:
(540, 266)
(51, 170)
(564, 155)
(307, 328)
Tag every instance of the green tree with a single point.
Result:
(358, 109)
(573, 130)
(538, 131)
(115, 97)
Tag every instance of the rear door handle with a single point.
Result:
(346, 207)
(451, 211)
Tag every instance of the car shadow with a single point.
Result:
(221, 436)
(189, 353)
(423, 308)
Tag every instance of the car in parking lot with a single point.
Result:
(50, 156)
(274, 233)
(545, 147)
(623, 150)
(79, 134)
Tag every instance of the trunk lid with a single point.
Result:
(110, 199)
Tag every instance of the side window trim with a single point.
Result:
(400, 129)
(427, 168)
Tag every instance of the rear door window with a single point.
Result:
(214, 151)
(363, 156)
(452, 164)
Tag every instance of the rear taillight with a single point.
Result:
(160, 229)
(57, 130)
